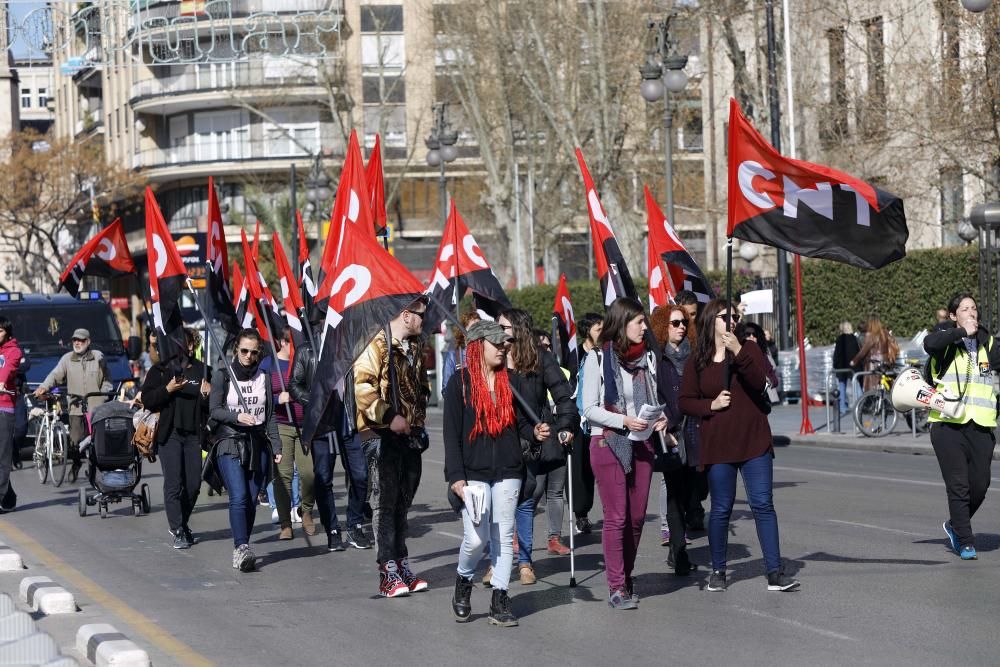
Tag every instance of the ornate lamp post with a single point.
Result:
(442, 149)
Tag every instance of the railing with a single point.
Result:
(234, 148)
(204, 78)
(239, 8)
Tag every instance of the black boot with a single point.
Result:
(500, 613)
(460, 603)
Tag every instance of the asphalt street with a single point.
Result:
(860, 529)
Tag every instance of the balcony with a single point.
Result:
(210, 86)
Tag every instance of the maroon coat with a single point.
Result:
(741, 431)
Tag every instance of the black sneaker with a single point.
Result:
(460, 601)
(357, 538)
(334, 542)
(74, 472)
(179, 541)
(583, 526)
(716, 581)
(189, 536)
(779, 581)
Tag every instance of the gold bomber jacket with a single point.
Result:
(371, 384)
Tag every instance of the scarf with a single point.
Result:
(635, 365)
(244, 373)
(678, 357)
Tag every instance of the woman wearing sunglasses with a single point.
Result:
(723, 383)
(247, 439)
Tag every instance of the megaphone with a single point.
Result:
(909, 391)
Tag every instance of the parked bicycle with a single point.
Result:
(874, 413)
(51, 437)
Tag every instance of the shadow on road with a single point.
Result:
(823, 557)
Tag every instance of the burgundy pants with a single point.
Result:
(624, 499)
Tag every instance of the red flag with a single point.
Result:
(368, 288)
(806, 208)
(256, 241)
(166, 271)
(258, 291)
(460, 266)
(614, 275)
(352, 191)
(106, 255)
(290, 296)
(562, 311)
(217, 280)
(665, 246)
(376, 188)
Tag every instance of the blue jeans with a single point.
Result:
(758, 480)
(323, 459)
(243, 487)
(842, 386)
(356, 465)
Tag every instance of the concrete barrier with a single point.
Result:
(15, 626)
(44, 595)
(35, 649)
(106, 647)
(10, 560)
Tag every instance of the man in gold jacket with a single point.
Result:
(392, 405)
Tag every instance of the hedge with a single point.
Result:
(905, 294)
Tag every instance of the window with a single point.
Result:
(383, 61)
(294, 132)
(872, 113)
(952, 205)
(951, 51)
(26, 98)
(835, 128)
(382, 18)
(388, 121)
(221, 135)
(383, 89)
(43, 97)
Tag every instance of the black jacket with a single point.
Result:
(300, 387)
(535, 389)
(845, 349)
(156, 398)
(226, 425)
(944, 343)
(485, 459)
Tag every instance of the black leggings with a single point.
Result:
(965, 454)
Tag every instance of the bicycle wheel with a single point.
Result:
(874, 415)
(41, 457)
(57, 454)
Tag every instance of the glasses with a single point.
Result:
(722, 316)
(418, 313)
(248, 353)
(678, 323)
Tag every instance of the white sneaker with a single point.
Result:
(274, 516)
(296, 515)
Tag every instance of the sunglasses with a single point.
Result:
(419, 313)
(722, 316)
(678, 323)
(248, 353)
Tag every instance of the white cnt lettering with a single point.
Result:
(819, 200)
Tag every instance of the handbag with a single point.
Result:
(145, 424)
(772, 393)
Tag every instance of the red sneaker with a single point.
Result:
(412, 581)
(557, 548)
(391, 585)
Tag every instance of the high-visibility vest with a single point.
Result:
(979, 396)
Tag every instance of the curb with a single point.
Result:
(848, 441)
(22, 644)
(44, 595)
(106, 647)
(10, 560)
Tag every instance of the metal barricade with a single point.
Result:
(832, 375)
(854, 390)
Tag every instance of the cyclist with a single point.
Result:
(83, 371)
(964, 359)
(10, 360)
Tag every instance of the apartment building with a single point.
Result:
(36, 80)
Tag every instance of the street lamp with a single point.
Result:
(749, 251)
(976, 5)
(662, 74)
(317, 192)
(441, 149)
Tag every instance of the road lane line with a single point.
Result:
(451, 535)
(874, 527)
(877, 478)
(144, 626)
(798, 624)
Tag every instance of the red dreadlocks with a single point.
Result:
(491, 418)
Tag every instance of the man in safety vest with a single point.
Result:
(964, 360)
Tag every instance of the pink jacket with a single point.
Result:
(10, 359)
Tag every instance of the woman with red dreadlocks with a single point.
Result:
(483, 465)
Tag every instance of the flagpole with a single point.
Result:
(729, 307)
(806, 427)
(215, 344)
(281, 378)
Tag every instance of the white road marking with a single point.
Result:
(868, 525)
(797, 624)
(451, 535)
(877, 478)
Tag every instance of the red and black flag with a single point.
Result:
(562, 314)
(106, 255)
(291, 299)
(806, 208)
(376, 188)
(461, 266)
(665, 247)
(307, 284)
(167, 276)
(368, 288)
(615, 279)
(352, 205)
(241, 299)
(258, 297)
(217, 280)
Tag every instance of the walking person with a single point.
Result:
(619, 381)
(176, 389)
(335, 426)
(292, 456)
(879, 349)
(535, 374)
(845, 349)
(483, 453)
(247, 439)
(964, 360)
(83, 371)
(590, 326)
(735, 437)
(10, 361)
(391, 391)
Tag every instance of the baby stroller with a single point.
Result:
(115, 464)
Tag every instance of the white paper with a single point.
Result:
(758, 301)
(475, 501)
(648, 413)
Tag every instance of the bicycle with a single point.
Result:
(874, 414)
(51, 439)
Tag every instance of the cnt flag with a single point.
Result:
(106, 255)
(220, 296)
(258, 304)
(615, 278)
(562, 313)
(461, 266)
(665, 247)
(376, 188)
(241, 299)
(806, 208)
(290, 296)
(308, 285)
(368, 288)
(167, 276)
